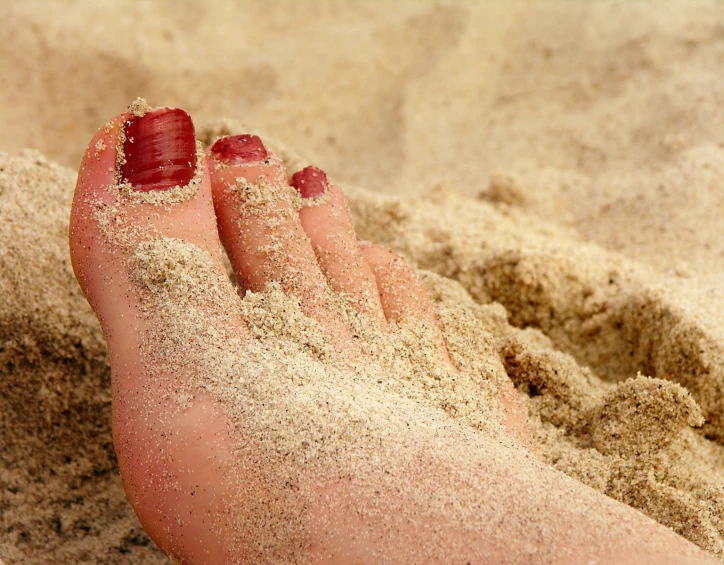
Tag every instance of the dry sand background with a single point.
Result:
(565, 159)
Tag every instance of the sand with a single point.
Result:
(554, 169)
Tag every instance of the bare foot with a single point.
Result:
(307, 422)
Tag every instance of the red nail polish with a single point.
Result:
(160, 150)
(240, 149)
(310, 181)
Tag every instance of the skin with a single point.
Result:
(197, 442)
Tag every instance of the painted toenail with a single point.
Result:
(240, 149)
(160, 150)
(310, 181)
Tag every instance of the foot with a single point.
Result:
(320, 418)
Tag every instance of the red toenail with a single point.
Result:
(160, 150)
(310, 181)
(240, 149)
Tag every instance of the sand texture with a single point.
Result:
(555, 170)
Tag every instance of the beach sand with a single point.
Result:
(554, 169)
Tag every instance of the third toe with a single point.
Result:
(325, 217)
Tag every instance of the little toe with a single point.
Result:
(260, 228)
(404, 296)
(326, 220)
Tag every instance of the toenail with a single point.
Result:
(240, 149)
(160, 150)
(310, 181)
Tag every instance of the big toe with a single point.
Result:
(146, 253)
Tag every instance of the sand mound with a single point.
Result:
(62, 500)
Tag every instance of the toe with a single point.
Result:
(404, 296)
(142, 177)
(142, 180)
(326, 220)
(260, 227)
(401, 292)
